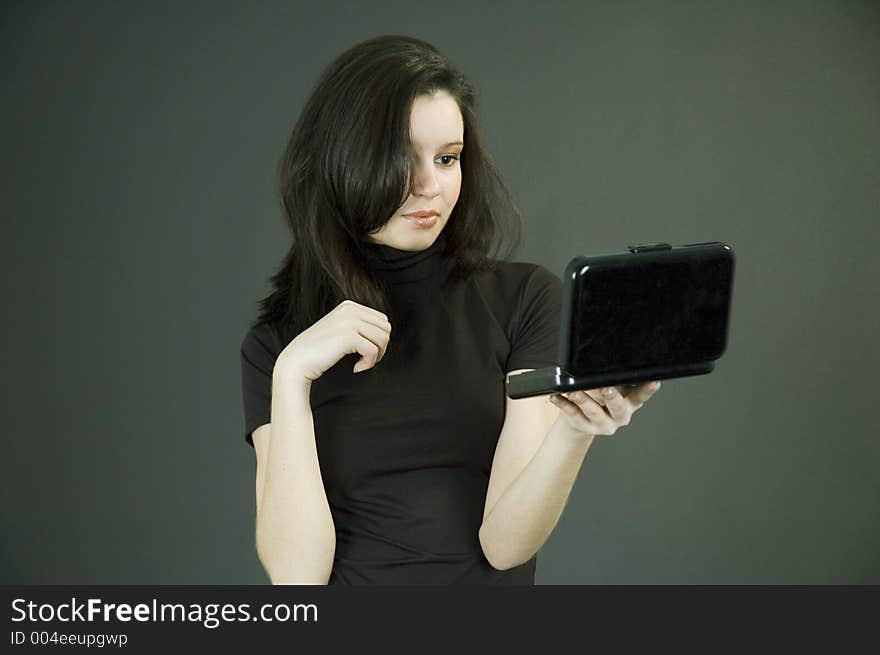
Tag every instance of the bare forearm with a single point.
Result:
(296, 538)
(524, 516)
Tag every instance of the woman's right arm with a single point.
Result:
(296, 538)
(295, 535)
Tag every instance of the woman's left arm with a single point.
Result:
(524, 515)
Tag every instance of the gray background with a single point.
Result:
(141, 223)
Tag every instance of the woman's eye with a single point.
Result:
(449, 164)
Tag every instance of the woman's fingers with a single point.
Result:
(583, 402)
(617, 405)
(610, 407)
(574, 414)
(362, 312)
(644, 391)
(636, 394)
(372, 345)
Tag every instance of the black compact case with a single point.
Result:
(654, 312)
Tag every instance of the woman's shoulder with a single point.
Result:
(261, 342)
(514, 277)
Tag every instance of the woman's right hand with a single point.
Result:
(348, 328)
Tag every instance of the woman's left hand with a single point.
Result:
(593, 412)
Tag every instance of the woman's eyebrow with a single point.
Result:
(447, 145)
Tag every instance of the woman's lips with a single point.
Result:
(421, 221)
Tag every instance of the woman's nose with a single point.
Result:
(426, 183)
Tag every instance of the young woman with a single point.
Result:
(373, 377)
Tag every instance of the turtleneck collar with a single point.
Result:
(405, 265)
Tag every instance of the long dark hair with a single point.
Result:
(347, 169)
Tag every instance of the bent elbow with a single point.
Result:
(288, 562)
(494, 558)
(496, 564)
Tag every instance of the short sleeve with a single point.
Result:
(535, 340)
(258, 355)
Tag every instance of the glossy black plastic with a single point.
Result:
(654, 312)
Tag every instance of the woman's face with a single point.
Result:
(437, 133)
